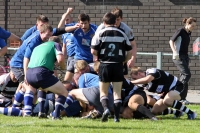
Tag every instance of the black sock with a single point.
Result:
(179, 106)
(104, 102)
(117, 105)
(41, 100)
(142, 109)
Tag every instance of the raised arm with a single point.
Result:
(64, 17)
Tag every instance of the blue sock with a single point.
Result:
(28, 102)
(11, 111)
(41, 100)
(69, 101)
(19, 97)
(59, 105)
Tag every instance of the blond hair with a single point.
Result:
(135, 70)
(81, 64)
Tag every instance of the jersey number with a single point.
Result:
(112, 46)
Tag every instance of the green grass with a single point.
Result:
(167, 124)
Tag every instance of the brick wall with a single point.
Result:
(153, 22)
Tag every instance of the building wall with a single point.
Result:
(153, 23)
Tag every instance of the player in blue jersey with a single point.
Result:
(83, 31)
(41, 19)
(4, 34)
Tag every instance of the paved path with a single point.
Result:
(193, 96)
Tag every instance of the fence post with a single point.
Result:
(159, 60)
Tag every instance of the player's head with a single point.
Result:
(82, 66)
(137, 73)
(41, 19)
(46, 32)
(190, 23)
(118, 14)
(55, 39)
(109, 19)
(84, 21)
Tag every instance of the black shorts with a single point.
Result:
(111, 72)
(125, 69)
(138, 92)
(180, 89)
(40, 77)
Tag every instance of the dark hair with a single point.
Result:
(117, 12)
(109, 18)
(189, 20)
(55, 39)
(46, 27)
(42, 18)
(83, 17)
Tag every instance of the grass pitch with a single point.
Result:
(166, 124)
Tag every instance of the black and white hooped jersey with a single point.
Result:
(111, 44)
(163, 81)
(124, 27)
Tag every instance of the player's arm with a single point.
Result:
(14, 37)
(25, 64)
(131, 62)
(144, 80)
(64, 49)
(64, 16)
(3, 50)
(59, 56)
(95, 46)
(128, 56)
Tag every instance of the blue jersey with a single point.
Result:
(29, 32)
(25, 50)
(82, 51)
(4, 34)
(88, 80)
(2, 43)
(71, 42)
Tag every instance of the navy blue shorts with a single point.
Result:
(74, 109)
(40, 77)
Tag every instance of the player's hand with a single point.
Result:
(130, 63)
(175, 56)
(77, 25)
(69, 10)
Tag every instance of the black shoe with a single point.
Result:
(105, 115)
(42, 115)
(116, 120)
(56, 118)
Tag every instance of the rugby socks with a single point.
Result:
(11, 111)
(59, 105)
(19, 97)
(117, 105)
(69, 101)
(171, 111)
(104, 102)
(142, 109)
(179, 106)
(41, 100)
(28, 102)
